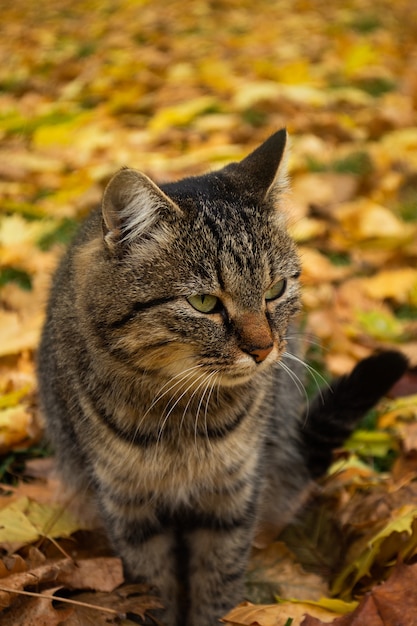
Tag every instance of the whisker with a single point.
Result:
(298, 383)
(209, 381)
(183, 376)
(207, 406)
(160, 430)
(188, 405)
(296, 379)
(314, 373)
(306, 339)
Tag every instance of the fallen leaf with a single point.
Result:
(101, 574)
(15, 423)
(39, 611)
(274, 571)
(366, 221)
(371, 443)
(399, 285)
(397, 537)
(25, 521)
(130, 601)
(280, 614)
(393, 602)
(46, 573)
(181, 114)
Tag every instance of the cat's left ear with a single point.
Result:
(133, 207)
(265, 169)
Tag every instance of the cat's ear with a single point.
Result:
(133, 206)
(265, 169)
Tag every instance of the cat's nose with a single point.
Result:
(260, 354)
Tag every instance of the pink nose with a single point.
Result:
(260, 354)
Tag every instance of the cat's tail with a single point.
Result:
(335, 412)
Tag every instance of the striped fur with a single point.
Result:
(186, 428)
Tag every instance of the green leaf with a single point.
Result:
(371, 443)
(380, 325)
(15, 275)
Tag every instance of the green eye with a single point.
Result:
(277, 290)
(205, 303)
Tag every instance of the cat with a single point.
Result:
(170, 372)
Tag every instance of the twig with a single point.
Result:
(59, 599)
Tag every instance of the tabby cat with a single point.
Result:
(170, 377)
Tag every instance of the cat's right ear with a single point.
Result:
(133, 207)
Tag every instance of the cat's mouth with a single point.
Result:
(242, 372)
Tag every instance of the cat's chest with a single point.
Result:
(184, 469)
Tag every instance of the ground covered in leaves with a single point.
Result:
(174, 89)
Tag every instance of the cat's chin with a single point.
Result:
(233, 380)
(235, 377)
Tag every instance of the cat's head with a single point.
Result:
(200, 276)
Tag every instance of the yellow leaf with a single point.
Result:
(216, 74)
(18, 234)
(400, 144)
(25, 521)
(17, 334)
(15, 422)
(61, 134)
(181, 114)
(398, 284)
(332, 604)
(247, 614)
(308, 228)
(364, 220)
(400, 409)
(12, 398)
(294, 73)
(398, 537)
(15, 526)
(358, 56)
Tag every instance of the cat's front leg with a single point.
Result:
(217, 564)
(148, 549)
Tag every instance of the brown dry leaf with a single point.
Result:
(399, 285)
(317, 267)
(39, 611)
(134, 600)
(322, 191)
(408, 433)
(12, 564)
(393, 602)
(274, 571)
(101, 574)
(247, 614)
(46, 573)
(41, 491)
